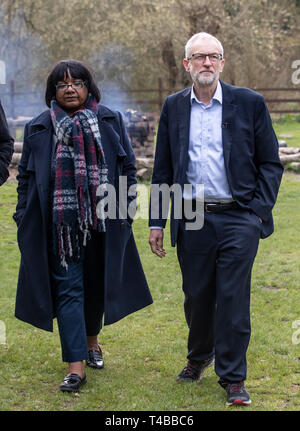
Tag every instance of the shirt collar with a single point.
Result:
(217, 96)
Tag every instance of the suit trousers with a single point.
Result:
(216, 263)
(78, 293)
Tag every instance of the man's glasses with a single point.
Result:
(201, 57)
(76, 85)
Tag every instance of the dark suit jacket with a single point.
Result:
(250, 147)
(6, 147)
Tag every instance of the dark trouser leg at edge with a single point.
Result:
(216, 264)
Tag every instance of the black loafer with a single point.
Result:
(72, 383)
(95, 359)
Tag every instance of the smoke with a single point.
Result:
(27, 61)
(115, 98)
(24, 56)
(113, 66)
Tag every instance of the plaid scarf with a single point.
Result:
(79, 169)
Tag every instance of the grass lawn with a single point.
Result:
(145, 351)
(290, 127)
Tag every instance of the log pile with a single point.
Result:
(144, 168)
(289, 155)
(141, 129)
(17, 154)
(145, 164)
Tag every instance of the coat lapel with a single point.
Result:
(112, 147)
(184, 114)
(228, 115)
(41, 145)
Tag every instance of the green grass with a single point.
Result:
(145, 351)
(288, 125)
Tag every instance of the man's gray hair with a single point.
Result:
(201, 35)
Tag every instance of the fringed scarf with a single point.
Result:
(80, 169)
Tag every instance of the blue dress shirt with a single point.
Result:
(206, 159)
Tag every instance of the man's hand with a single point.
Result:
(156, 242)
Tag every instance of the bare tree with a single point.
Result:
(132, 43)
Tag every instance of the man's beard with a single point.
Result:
(202, 80)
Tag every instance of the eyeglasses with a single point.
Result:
(200, 58)
(76, 85)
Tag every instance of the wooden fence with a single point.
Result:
(276, 102)
(279, 100)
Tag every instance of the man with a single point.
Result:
(6, 147)
(220, 136)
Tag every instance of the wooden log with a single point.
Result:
(18, 146)
(16, 159)
(289, 150)
(144, 162)
(286, 154)
(288, 158)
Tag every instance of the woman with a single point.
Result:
(76, 264)
(6, 147)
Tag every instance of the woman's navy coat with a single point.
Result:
(126, 289)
